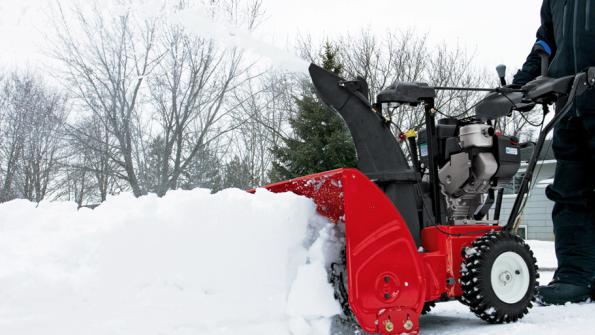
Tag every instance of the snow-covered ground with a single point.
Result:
(198, 263)
(454, 318)
(190, 263)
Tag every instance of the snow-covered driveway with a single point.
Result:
(453, 318)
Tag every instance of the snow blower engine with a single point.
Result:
(420, 230)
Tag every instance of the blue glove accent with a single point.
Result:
(545, 47)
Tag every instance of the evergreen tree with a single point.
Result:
(237, 174)
(320, 141)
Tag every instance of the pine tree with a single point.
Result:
(320, 141)
(237, 174)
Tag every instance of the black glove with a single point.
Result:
(522, 105)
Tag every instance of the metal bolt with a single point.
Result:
(408, 325)
(386, 296)
(389, 326)
(505, 277)
(386, 279)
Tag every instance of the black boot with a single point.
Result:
(557, 293)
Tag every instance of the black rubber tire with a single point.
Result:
(476, 282)
(428, 307)
(462, 300)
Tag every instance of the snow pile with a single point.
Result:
(189, 263)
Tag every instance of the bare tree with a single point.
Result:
(44, 144)
(191, 92)
(12, 141)
(107, 58)
(92, 171)
(407, 56)
(32, 124)
(523, 125)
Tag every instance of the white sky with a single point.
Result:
(494, 31)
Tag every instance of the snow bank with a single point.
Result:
(189, 263)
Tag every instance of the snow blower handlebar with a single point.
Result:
(502, 101)
(546, 90)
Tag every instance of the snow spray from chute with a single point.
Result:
(196, 22)
(207, 21)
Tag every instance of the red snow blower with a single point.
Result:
(419, 230)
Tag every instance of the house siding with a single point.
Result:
(537, 216)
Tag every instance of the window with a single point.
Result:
(522, 232)
(515, 184)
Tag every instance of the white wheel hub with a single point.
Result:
(510, 277)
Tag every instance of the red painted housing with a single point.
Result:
(389, 278)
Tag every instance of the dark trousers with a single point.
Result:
(574, 197)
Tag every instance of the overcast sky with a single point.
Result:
(494, 31)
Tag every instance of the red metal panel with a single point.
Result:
(451, 241)
(324, 188)
(435, 263)
(385, 270)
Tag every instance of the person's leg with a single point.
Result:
(573, 215)
(589, 123)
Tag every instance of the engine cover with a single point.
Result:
(476, 136)
(472, 159)
(455, 173)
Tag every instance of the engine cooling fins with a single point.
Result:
(499, 277)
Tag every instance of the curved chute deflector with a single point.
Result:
(380, 157)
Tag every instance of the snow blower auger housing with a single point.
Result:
(417, 230)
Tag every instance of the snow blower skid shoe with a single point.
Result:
(417, 229)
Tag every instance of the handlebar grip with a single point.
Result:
(545, 64)
(545, 52)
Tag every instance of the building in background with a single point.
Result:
(536, 219)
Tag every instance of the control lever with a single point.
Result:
(545, 52)
(501, 69)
